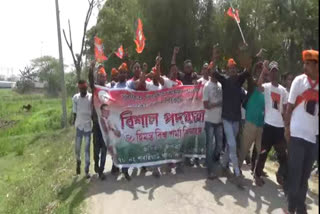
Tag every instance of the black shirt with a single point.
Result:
(187, 79)
(231, 95)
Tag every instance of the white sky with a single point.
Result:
(29, 30)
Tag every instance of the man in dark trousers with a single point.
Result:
(276, 97)
(99, 146)
(302, 125)
(231, 115)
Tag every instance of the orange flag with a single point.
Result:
(234, 14)
(140, 39)
(98, 50)
(120, 52)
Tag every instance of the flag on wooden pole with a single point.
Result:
(234, 14)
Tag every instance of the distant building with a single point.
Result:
(7, 84)
(10, 84)
(39, 85)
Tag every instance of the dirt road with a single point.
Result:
(186, 193)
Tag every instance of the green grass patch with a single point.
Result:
(37, 163)
(20, 128)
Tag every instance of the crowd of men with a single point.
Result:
(261, 115)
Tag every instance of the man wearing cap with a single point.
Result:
(302, 124)
(122, 84)
(254, 118)
(275, 96)
(82, 109)
(154, 81)
(99, 146)
(122, 76)
(231, 115)
(114, 78)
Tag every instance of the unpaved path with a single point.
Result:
(188, 193)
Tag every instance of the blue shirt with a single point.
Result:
(120, 85)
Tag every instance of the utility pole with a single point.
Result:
(63, 86)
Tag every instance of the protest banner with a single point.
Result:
(150, 128)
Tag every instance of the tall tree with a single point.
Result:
(77, 57)
(115, 26)
(284, 28)
(47, 70)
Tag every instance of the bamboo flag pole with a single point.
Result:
(233, 10)
(244, 41)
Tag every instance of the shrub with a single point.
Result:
(24, 86)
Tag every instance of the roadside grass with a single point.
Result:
(23, 127)
(37, 157)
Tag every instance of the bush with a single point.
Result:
(71, 83)
(24, 86)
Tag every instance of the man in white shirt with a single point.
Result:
(212, 102)
(302, 124)
(154, 84)
(82, 109)
(276, 97)
(157, 83)
(122, 77)
(205, 75)
(114, 78)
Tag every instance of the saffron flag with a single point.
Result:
(98, 50)
(140, 39)
(120, 52)
(234, 14)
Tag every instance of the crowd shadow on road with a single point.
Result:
(143, 181)
(270, 195)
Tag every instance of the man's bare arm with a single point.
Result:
(288, 113)
(141, 82)
(175, 52)
(262, 75)
(209, 106)
(287, 119)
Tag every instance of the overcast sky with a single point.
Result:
(29, 30)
